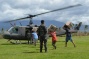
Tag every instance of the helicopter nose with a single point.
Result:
(6, 35)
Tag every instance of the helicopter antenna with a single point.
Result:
(14, 24)
(20, 23)
(11, 24)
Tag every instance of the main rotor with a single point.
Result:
(31, 16)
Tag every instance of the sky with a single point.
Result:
(15, 9)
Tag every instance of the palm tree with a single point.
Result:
(2, 30)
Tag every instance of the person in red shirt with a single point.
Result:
(54, 39)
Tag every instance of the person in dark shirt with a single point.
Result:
(68, 36)
(42, 31)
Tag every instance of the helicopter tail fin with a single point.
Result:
(78, 26)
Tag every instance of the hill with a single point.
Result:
(36, 22)
(26, 22)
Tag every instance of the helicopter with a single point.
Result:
(24, 32)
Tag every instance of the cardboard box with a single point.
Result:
(35, 29)
(69, 24)
(52, 28)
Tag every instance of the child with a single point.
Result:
(54, 39)
(34, 37)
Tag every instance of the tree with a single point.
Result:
(85, 29)
(2, 30)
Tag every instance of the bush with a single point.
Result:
(1, 36)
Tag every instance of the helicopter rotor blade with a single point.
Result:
(31, 16)
(21, 18)
(59, 9)
(16, 19)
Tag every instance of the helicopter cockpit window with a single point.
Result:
(13, 30)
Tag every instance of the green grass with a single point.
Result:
(27, 51)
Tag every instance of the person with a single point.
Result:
(34, 37)
(42, 31)
(68, 35)
(54, 39)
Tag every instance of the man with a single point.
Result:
(42, 31)
(68, 35)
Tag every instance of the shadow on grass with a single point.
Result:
(38, 49)
(12, 43)
(31, 52)
(60, 41)
(7, 44)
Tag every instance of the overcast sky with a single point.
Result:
(14, 9)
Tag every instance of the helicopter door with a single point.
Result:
(21, 31)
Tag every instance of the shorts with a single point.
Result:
(68, 38)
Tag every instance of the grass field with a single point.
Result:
(27, 51)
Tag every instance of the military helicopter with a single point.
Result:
(24, 32)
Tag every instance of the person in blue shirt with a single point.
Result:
(68, 35)
(34, 37)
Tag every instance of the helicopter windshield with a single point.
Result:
(13, 30)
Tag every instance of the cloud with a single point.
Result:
(13, 9)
